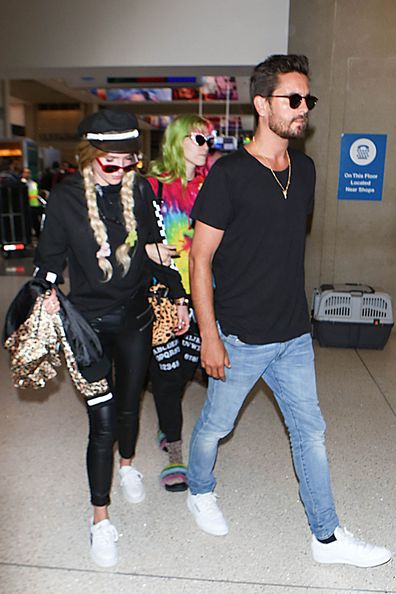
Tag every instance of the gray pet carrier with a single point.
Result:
(351, 315)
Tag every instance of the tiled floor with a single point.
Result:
(44, 496)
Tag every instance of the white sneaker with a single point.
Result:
(347, 549)
(207, 513)
(131, 484)
(103, 543)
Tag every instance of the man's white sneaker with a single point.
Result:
(207, 513)
(132, 484)
(103, 543)
(349, 550)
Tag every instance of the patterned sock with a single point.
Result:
(175, 452)
(174, 476)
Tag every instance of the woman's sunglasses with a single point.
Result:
(199, 139)
(295, 100)
(113, 168)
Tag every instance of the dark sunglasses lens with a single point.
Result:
(295, 101)
(210, 141)
(200, 139)
(110, 168)
(129, 167)
(311, 101)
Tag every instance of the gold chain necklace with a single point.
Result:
(286, 188)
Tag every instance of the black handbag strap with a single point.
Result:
(157, 202)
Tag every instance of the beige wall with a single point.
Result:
(139, 34)
(352, 51)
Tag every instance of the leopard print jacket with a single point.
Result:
(35, 353)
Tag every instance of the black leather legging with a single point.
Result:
(127, 343)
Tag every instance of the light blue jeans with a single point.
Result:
(288, 369)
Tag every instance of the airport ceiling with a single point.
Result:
(73, 87)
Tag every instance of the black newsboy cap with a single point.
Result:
(111, 131)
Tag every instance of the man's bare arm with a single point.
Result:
(205, 243)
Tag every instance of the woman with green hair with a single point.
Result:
(176, 178)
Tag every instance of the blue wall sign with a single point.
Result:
(362, 162)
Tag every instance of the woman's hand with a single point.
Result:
(161, 253)
(51, 303)
(183, 320)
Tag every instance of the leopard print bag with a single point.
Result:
(165, 312)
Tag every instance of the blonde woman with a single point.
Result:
(98, 223)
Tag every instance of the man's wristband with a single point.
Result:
(182, 301)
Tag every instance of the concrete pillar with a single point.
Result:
(5, 125)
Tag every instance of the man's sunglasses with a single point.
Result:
(113, 168)
(200, 139)
(295, 100)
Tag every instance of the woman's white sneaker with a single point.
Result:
(132, 484)
(103, 543)
(349, 550)
(207, 513)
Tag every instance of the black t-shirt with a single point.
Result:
(259, 264)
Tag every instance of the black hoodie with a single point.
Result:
(67, 238)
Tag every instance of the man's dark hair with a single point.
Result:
(264, 79)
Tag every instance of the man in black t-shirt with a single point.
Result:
(251, 217)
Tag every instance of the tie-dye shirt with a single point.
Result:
(177, 202)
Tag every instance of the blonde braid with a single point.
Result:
(97, 225)
(128, 204)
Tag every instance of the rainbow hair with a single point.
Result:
(171, 164)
